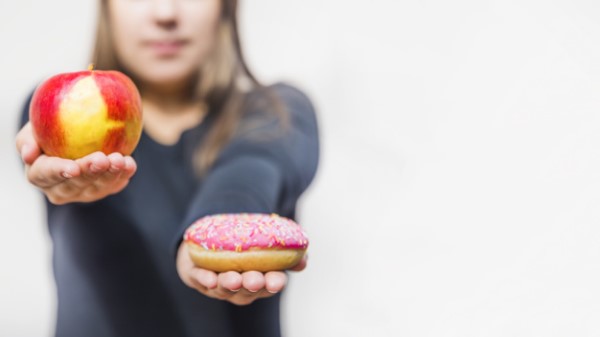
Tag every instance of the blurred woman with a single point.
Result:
(214, 141)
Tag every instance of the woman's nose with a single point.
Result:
(165, 12)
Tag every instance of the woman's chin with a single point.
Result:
(167, 81)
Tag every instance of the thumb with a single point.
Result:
(27, 147)
(301, 265)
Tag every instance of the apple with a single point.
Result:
(75, 114)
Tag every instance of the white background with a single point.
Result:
(459, 183)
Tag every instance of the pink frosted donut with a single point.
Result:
(245, 241)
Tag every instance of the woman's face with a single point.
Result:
(163, 42)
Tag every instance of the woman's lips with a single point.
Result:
(166, 48)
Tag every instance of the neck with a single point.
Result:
(174, 92)
(168, 97)
(169, 110)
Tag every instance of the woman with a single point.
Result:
(214, 141)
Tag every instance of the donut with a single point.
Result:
(245, 241)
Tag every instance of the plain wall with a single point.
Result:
(459, 183)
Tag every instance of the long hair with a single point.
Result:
(220, 84)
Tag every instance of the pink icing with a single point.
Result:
(239, 232)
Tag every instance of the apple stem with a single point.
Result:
(91, 67)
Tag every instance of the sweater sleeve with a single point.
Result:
(265, 168)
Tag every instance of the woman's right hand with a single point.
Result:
(87, 179)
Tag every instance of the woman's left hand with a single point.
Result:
(237, 288)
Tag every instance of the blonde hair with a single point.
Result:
(220, 82)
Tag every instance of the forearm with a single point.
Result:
(247, 184)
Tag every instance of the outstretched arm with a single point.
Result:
(254, 176)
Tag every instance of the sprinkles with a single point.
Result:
(242, 231)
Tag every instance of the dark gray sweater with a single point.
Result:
(114, 260)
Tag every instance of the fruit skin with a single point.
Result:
(75, 114)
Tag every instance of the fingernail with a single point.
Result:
(113, 169)
(234, 290)
(272, 292)
(94, 168)
(66, 175)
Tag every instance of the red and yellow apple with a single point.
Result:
(75, 114)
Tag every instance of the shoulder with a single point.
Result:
(297, 103)
(291, 96)
(283, 90)
(281, 102)
(278, 120)
(290, 93)
(287, 138)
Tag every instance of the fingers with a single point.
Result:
(116, 163)
(245, 288)
(105, 170)
(87, 179)
(46, 171)
(237, 288)
(229, 282)
(275, 281)
(29, 153)
(253, 281)
(102, 175)
(232, 287)
(222, 286)
(120, 170)
(27, 147)
(93, 165)
(206, 278)
(130, 167)
(115, 166)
